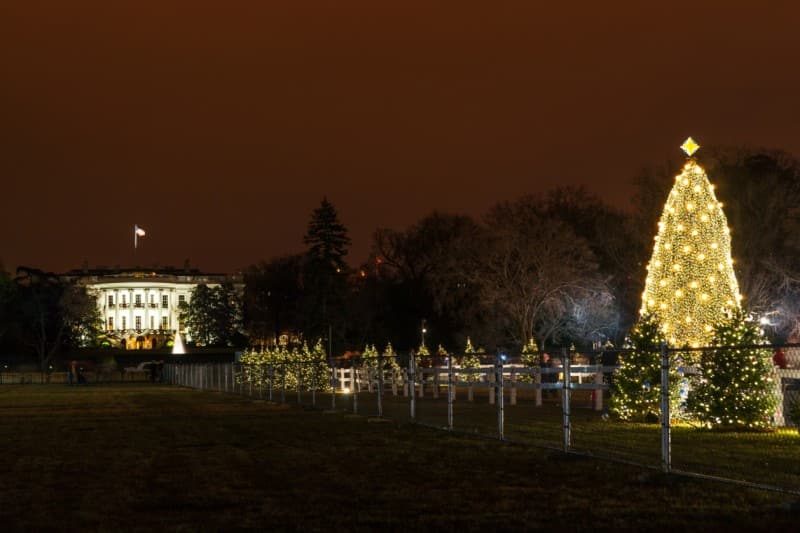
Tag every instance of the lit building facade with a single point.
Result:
(140, 308)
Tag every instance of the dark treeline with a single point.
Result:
(561, 267)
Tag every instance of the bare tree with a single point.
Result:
(538, 276)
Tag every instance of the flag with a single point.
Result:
(137, 232)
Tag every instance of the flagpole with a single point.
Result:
(135, 236)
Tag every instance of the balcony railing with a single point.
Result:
(153, 306)
(123, 305)
(112, 306)
(138, 305)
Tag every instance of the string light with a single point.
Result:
(704, 236)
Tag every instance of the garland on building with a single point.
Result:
(736, 386)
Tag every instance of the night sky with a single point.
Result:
(219, 126)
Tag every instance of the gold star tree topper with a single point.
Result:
(689, 146)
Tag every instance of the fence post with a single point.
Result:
(565, 364)
(513, 395)
(314, 370)
(498, 378)
(666, 435)
(283, 380)
(436, 370)
(598, 391)
(411, 384)
(333, 385)
(354, 389)
(271, 379)
(380, 385)
(450, 393)
(492, 375)
(299, 381)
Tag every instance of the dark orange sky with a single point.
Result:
(219, 126)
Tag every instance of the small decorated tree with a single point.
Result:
(305, 367)
(470, 361)
(736, 387)
(530, 359)
(637, 382)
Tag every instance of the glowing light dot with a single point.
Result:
(676, 267)
(657, 263)
(663, 283)
(696, 188)
(714, 246)
(710, 207)
(704, 297)
(729, 302)
(689, 206)
(667, 246)
(688, 319)
(707, 328)
(679, 227)
(685, 181)
(678, 293)
(663, 306)
(693, 284)
(704, 218)
(694, 233)
(700, 257)
(687, 249)
(712, 279)
(651, 303)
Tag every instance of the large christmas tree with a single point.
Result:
(690, 283)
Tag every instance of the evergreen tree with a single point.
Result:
(325, 273)
(635, 393)
(690, 282)
(212, 316)
(530, 358)
(736, 388)
(470, 361)
(326, 238)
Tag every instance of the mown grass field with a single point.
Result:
(150, 457)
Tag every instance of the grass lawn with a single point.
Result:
(145, 457)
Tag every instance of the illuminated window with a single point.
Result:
(138, 322)
(110, 323)
(164, 322)
(164, 301)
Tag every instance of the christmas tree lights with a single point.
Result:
(736, 387)
(690, 284)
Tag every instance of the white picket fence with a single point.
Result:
(434, 381)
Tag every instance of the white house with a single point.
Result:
(140, 307)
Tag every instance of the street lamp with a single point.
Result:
(423, 332)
